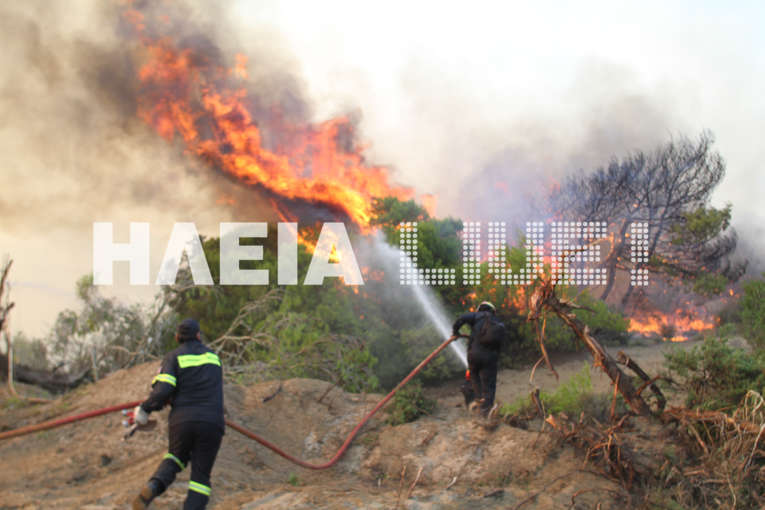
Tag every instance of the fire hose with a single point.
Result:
(98, 412)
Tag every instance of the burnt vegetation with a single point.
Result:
(669, 189)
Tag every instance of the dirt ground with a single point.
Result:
(442, 461)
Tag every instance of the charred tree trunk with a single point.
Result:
(647, 381)
(612, 261)
(49, 380)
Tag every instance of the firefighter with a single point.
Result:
(191, 381)
(487, 334)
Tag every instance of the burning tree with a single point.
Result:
(189, 90)
(669, 189)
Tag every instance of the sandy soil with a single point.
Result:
(460, 463)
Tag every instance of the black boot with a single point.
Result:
(151, 490)
(467, 392)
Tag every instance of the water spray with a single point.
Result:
(424, 296)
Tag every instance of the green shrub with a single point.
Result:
(409, 404)
(305, 348)
(31, 352)
(715, 375)
(710, 284)
(606, 323)
(558, 336)
(730, 313)
(569, 396)
(520, 405)
(752, 312)
(417, 345)
(572, 397)
(354, 369)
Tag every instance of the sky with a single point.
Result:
(454, 98)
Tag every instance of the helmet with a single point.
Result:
(188, 329)
(485, 306)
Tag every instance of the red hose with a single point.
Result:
(57, 423)
(63, 421)
(355, 430)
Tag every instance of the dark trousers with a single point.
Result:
(194, 441)
(483, 374)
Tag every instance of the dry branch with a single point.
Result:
(544, 298)
(414, 483)
(730, 464)
(684, 415)
(648, 381)
(603, 447)
(5, 309)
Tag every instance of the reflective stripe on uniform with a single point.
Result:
(198, 487)
(176, 459)
(167, 378)
(194, 360)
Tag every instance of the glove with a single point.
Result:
(140, 417)
(456, 327)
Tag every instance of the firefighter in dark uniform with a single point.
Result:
(191, 381)
(487, 333)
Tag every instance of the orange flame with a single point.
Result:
(659, 324)
(429, 202)
(517, 299)
(184, 94)
(370, 274)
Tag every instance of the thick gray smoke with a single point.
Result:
(605, 116)
(73, 151)
(72, 144)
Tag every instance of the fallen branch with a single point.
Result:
(684, 415)
(400, 487)
(602, 447)
(726, 447)
(274, 394)
(648, 381)
(541, 341)
(538, 403)
(414, 483)
(544, 298)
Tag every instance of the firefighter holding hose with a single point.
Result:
(487, 333)
(191, 381)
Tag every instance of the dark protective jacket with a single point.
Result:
(486, 331)
(191, 381)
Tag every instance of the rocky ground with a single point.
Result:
(445, 460)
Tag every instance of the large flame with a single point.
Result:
(679, 324)
(205, 104)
